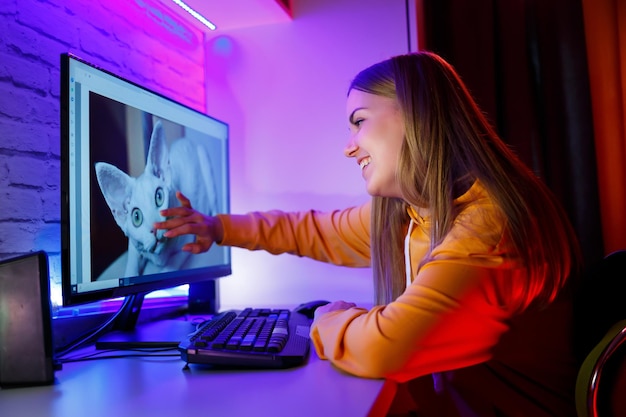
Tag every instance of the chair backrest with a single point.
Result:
(601, 322)
(601, 382)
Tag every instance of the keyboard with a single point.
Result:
(249, 338)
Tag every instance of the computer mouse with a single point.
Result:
(308, 308)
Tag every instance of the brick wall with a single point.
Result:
(141, 40)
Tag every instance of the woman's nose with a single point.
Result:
(351, 148)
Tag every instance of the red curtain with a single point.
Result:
(605, 33)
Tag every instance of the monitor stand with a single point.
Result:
(125, 334)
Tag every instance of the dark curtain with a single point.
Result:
(525, 63)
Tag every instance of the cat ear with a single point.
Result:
(116, 187)
(158, 158)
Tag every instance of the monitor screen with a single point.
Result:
(125, 151)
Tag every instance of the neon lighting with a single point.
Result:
(195, 14)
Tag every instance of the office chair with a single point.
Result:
(601, 381)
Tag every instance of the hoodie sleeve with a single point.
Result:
(340, 237)
(444, 320)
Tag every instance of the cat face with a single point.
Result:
(150, 194)
(135, 202)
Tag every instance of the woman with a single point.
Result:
(470, 252)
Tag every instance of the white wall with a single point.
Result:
(282, 89)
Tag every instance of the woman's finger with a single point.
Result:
(184, 201)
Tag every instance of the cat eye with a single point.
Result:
(159, 197)
(137, 217)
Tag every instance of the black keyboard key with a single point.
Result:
(200, 344)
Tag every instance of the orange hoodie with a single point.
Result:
(453, 321)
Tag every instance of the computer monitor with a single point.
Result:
(125, 151)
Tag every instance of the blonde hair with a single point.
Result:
(448, 145)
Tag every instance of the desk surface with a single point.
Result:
(161, 386)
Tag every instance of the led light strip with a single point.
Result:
(195, 14)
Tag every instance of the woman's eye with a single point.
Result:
(357, 122)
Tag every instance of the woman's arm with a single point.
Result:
(339, 237)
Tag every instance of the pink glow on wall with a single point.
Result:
(173, 30)
(173, 49)
(236, 14)
(140, 40)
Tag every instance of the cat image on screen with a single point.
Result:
(135, 202)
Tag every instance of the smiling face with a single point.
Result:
(376, 137)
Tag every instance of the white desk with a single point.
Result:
(160, 387)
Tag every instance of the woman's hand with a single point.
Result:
(184, 220)
(332, 306)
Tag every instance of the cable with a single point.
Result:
(94, 334)
(106, 354)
